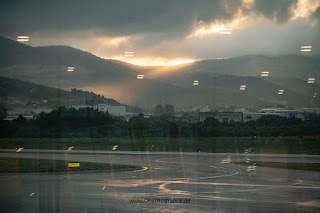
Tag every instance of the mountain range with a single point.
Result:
(219, 79)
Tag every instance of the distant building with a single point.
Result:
(223, 117)
(146, 115)
(245, 116)
(252, 116)
(129, 115)
(14, 117)
(289, 113)
(112, 110)
(300, 116)
(199, 108)
(240, 110)
(205, 109)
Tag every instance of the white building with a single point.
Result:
(252, 116)
(223, 117)
(205, 109)
(112, 110)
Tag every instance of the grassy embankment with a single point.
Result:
(24, 165)
(283, 145)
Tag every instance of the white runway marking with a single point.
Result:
(70, 148)
(20, 149)
(143, 169)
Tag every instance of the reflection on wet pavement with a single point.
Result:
(226, 160)
(201, 177)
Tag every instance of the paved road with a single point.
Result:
(205, 182)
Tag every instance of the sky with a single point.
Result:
(166, 32)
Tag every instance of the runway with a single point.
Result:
(167, 182)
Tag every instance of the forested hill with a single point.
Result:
(21, 94)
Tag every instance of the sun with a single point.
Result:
(154, 61)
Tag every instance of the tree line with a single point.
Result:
(91, 123)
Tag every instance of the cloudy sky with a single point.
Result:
(166, 32)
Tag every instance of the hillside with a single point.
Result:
(29, 97)
(51, 64)
(285, 72)
(219, 79)
(287, 66)
(48, 66)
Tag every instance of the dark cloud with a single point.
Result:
(126, 17)
(316, 14)
(159, 28)
(118, 16)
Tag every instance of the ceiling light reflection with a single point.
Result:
(23, 38)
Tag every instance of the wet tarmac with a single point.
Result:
(167, 182)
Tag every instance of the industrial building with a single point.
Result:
(245, 116)
(112, 110)
(252, 116)
(223, 117)
(289, 113)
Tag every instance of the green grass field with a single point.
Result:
(285, 145)
(23, 165)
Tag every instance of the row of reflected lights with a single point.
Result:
(131, 54)
(242, 87)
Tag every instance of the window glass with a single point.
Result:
(159, 106)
